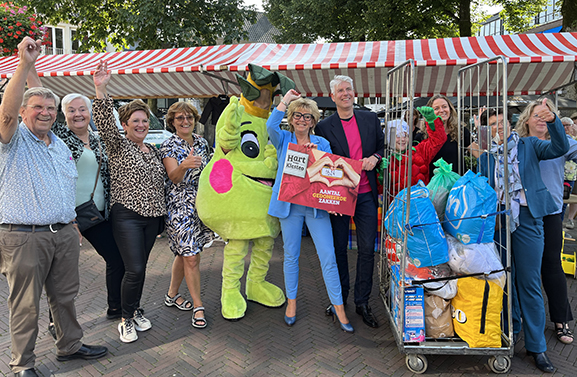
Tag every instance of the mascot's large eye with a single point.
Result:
(249, 144)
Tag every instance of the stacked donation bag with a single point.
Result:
(450, 254)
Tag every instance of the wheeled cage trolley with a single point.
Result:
(481, 84)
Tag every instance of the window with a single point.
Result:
(75, 42)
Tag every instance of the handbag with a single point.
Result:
(87, 214)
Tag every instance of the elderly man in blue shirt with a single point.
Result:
(39, 243)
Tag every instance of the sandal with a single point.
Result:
(172, 301)
(195, 321)
(564, 335)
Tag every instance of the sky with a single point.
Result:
(258, 3)
(489, 9)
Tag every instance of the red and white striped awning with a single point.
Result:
(179, 72)
(536, 63)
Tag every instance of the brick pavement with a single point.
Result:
(258, 345)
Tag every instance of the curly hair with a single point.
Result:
(307, 104)
(522, 126)
(180, 107)
(126, 111)
(452, 125)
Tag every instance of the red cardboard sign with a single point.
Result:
(324, 180)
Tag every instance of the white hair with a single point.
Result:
(71, 97)
(338, 80)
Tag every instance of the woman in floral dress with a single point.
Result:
(184, 155)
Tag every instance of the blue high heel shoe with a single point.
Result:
(290, 320)
(346, 327)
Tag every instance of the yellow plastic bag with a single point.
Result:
(477, 312)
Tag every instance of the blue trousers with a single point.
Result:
(527, 243)
(321, 232)
(366, 224)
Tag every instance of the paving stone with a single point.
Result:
(260, 344)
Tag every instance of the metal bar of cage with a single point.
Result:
(491, 75)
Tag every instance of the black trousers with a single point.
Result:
(552, 275)
(366, 227)
(101, 238)
(135, 236)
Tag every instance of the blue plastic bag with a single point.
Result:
(426, 244)
(470, 201)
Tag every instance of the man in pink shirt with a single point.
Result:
(357, 135)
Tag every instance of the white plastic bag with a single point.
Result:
(475, 258)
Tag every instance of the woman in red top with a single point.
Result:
(423, 153)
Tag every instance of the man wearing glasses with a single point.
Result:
(357, 135)
(39, 243)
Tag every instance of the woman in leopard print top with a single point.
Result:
(88, 150)
(137, 195)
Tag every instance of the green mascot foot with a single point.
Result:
(233, 304)
(264, 293)
(257, 288)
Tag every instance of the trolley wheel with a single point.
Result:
(499, 364)
(416, 363)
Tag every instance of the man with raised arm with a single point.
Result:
(39, 241)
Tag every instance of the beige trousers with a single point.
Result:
(31, 261)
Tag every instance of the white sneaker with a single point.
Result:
(569, 224)
(127, 331)
(140, 322)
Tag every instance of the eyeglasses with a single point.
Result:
(307, 117)
(39, 109)
(181, 118)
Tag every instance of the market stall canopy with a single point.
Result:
(537, 63)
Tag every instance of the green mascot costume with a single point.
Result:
(235, 189)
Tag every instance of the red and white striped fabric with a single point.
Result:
(139, 74)
(536, 63)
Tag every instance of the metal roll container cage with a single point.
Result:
(475, 81)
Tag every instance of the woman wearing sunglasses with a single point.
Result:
(184, 155)
(303, 115)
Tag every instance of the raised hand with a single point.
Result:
(291, 95)
(29, 50)
(101, 78)
(228, 127)
(429, 115)
(544, 113)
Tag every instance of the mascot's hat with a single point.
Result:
(258, 79)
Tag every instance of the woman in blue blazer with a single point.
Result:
(530, 202)
(552, 173)
(303, 116)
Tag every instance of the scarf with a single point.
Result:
(514, 179)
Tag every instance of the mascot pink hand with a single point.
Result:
(221, 176)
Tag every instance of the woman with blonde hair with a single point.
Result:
(553, 174)
(303, 116)
(184, 155)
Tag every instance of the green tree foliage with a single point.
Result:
(148, 24)
(569, 12)
(303, 21)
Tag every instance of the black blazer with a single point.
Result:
(372, 139)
